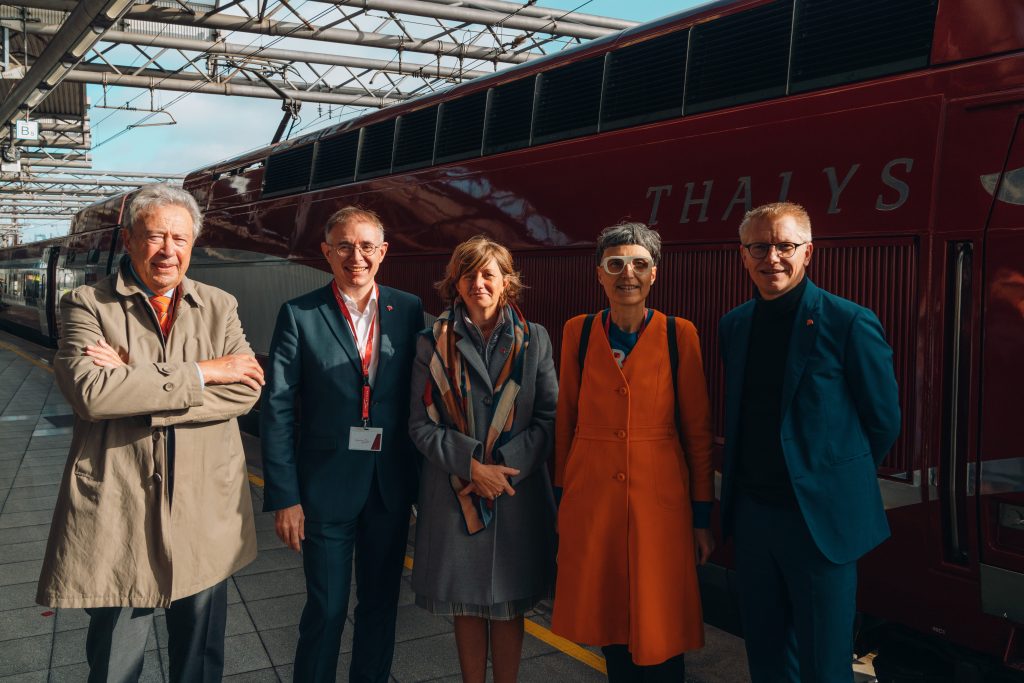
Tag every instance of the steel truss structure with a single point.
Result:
(339, 55)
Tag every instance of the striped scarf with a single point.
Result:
(451, 386)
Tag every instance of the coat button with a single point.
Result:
(621, 433)
(623, 390)
(621, 476)
(158, 478)
(168, 386)
(156, 436)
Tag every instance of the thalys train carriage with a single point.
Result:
(899, 125)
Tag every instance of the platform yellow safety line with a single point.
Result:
(533, 628)
(18, 352)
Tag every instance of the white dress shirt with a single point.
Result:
(362, 322)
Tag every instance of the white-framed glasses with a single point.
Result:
(614, 265)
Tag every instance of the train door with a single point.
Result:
(52, 327)
(1000, 468)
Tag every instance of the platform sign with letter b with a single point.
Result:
(26, 130)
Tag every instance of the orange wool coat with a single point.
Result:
(626, 566)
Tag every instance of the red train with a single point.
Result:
(900, 125)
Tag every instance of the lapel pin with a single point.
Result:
(389, 307)
(810, 322)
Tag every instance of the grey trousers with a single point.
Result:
(116, 642)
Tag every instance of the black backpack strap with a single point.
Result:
(581, 354)
(673, 358)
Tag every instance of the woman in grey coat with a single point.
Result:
(483, 408)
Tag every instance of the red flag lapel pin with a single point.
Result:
(390, 307)
(810, 323)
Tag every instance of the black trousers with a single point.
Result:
(377, 540)
(116, 641)
(621, 668)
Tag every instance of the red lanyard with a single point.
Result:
(367, 354)
(608, 324)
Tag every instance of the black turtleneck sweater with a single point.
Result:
(762, 471)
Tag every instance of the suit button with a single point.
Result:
(168, 386)
(621, 433)
(621, 476)
(487, 400)
(623, 390)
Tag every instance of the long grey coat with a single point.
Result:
(513, 558)
(115, 539)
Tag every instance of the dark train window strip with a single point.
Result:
(288, 171)
(644, 82)
(568, 101)
(414, 144)
(461, 131)
(740, 58)
(336, 160)
(837, 41)
(509, 115)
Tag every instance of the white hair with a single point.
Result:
(160, 194)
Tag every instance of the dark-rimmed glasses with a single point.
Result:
(614, 265)
(760, 250)
(345, 249)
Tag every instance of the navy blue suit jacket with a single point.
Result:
(840, 417)
(313, 397)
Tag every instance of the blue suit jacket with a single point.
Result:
(313, 397)
(840, 417)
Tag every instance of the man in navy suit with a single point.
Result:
(812, 409)
(344, 486)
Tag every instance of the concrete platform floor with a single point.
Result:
(265, 598)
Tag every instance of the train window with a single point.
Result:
(508, 116)
(838, 41)
(462, 128)
(414, 146)
(568, 101)
(335, 162)
(645, 82)
(739, 58)
(288, 171)
(375, 152)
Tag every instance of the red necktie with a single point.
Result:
(162, 307)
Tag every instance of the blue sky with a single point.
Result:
(210, 128)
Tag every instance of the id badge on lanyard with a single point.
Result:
(365, 437)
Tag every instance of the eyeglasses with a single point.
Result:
(614, 265)
(760, 250)
(345, 249)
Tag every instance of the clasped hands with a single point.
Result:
(489, 481)
(235, 368)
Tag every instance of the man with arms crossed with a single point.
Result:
(344, 352)
(812, 409)
(154, 507)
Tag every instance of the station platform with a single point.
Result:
(265, 598)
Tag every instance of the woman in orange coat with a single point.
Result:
(637, 491)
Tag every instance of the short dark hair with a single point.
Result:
(629, 233)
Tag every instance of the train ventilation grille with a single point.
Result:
(645, 82)
(375, 155)
(568, 101)
(508, 116)
(288, 171)
(415, 145)
(336, 160)
(461, 132)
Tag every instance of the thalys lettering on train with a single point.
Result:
(900, 126)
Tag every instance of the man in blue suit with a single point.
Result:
(344, 485)
(812, 409)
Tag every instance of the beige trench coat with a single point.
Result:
(116, 539)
